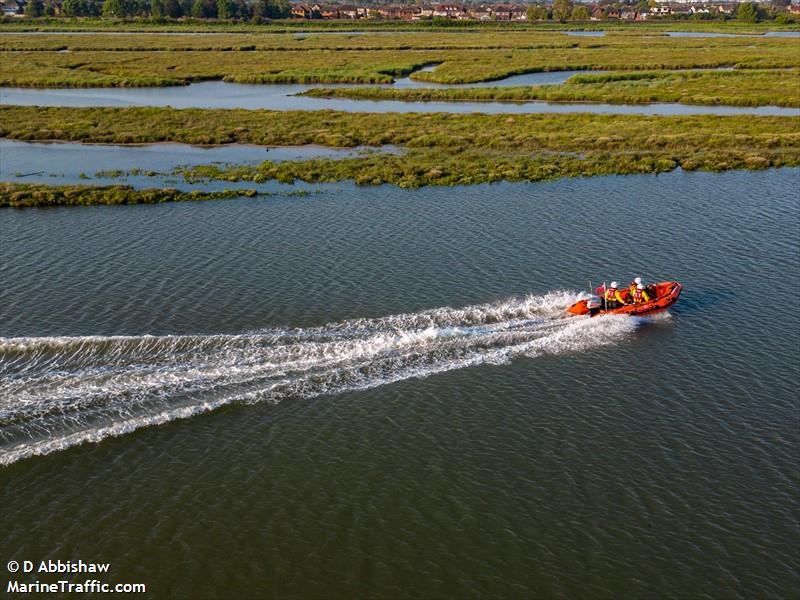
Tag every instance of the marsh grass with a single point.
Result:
(442, 149)
(779, 87)
(577, 132)
(437, 167)
(142, 60)
(246, 42)
(20, 195)
(24, 195)
(617, 54)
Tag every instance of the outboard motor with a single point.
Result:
(593, 304)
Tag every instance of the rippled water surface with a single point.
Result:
(373, 392)
(221, 94)
(542, 78)
(149, 165)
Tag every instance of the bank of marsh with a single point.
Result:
(741, 87)
(441, 149)
(142, 60)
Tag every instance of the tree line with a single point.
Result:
(748, 12)
(559, 10)
(172, 9)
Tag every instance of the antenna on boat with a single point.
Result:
(605, 298)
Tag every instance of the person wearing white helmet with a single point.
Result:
(612, 297)
(632, 286)
(640, 295)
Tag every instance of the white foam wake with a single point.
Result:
(56, 392)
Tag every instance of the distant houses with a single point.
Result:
(333, 11)
(13, 8)
(506, 12)
(409, 12)
(539, 10)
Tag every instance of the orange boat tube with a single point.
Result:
(666, 294)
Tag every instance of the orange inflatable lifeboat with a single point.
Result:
(663, 295)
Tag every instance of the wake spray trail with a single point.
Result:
(56, 392)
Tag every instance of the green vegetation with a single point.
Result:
(735, 88)
(444, 40)
(24, 195)
(80, 8)
(48, 23)
(20, 195)
(128, 69)
(465, 167)
(232, 14)
(442, 149)
(561, 10)
(439, 149)
(527, 133)
(142, 60)
(621, 53)
(747, 12)
(34, 8)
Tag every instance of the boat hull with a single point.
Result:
(666, 294)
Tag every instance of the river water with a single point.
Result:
(374, 392)
(220, 94)
(148, 165)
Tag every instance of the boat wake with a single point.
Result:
(56, 392)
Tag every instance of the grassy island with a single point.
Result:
(733, 88)
(440, 149)
(640, 64)
(22, 195)
(59, 60)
